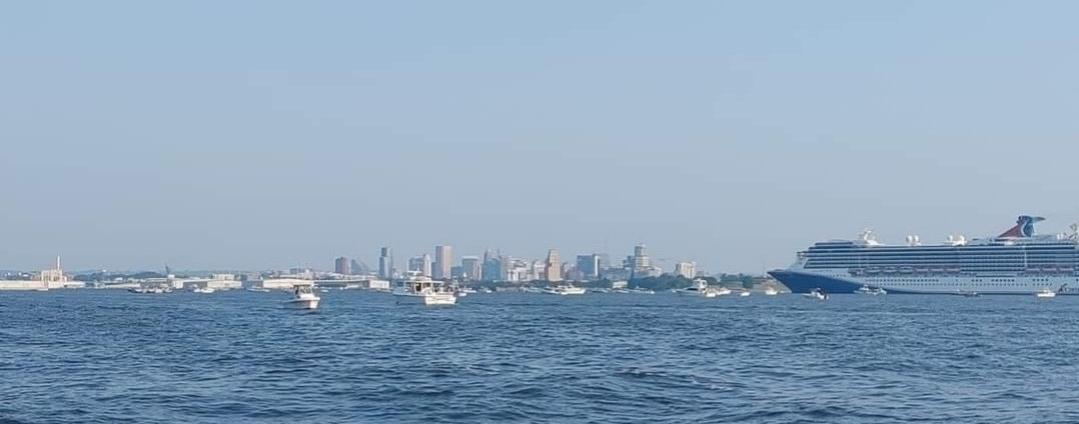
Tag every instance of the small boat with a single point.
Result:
(641, 291)
(872, 291)
(303, 298)
(817, 293)
(743, 293)
(1045, 293)
(421, 289)
(700, 288)
(150, 290)
(487, 291)
(563, 290)
(258, 290)
(771, 291)
(204, 290)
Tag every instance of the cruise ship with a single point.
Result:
(1015, 262)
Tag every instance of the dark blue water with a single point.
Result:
(101, 357)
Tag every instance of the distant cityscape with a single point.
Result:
(493, 267)
(496, 266)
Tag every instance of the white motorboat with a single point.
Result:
(423, 290)
(204, 290)
(699, 288)
(303, 298)
(563, 290)
(771, 291)
(872, 291)
(258, 290)
(743, 293)
(1045, 293)
(816, 294)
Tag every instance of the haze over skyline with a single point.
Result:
(256, 135)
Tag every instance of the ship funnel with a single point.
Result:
(1024, 227)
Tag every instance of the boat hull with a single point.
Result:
(426, 299)
(303, 303)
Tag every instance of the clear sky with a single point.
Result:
(255, 135)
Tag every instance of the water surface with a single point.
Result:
(97, 356)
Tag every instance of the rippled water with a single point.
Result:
(93, 356)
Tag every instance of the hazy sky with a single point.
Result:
(232, 134)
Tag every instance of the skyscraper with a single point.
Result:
(588, 266)
(425, 264)
(341, 265)
(505, 267)
(385, 263)
(443, 262)
(553, 267)
(471, 269)
(492, 269)
(640, 265)
(686, 269)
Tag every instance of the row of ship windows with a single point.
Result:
(976, 280)
(907, 255)
(930, 283)
(944, 260)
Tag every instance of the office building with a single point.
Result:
(385, 263)
(553, 268)
(492, 269)
(420, 264)
(342, 265)
(685, 269)
(471, 269)
(443, 262)
(588, 267)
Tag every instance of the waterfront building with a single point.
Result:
(471, 269)
(415, 264)
(505, 268)
(385, 263)
(443, 262)
(492, 267)
(341, 265)
(425, 265)
(552, 269)
(420, 264)
(283, 283)
(46, 279)
(223, 282)
(686, 269)
(640, 264)
(588, 267)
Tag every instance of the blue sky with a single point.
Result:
(270, 134)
